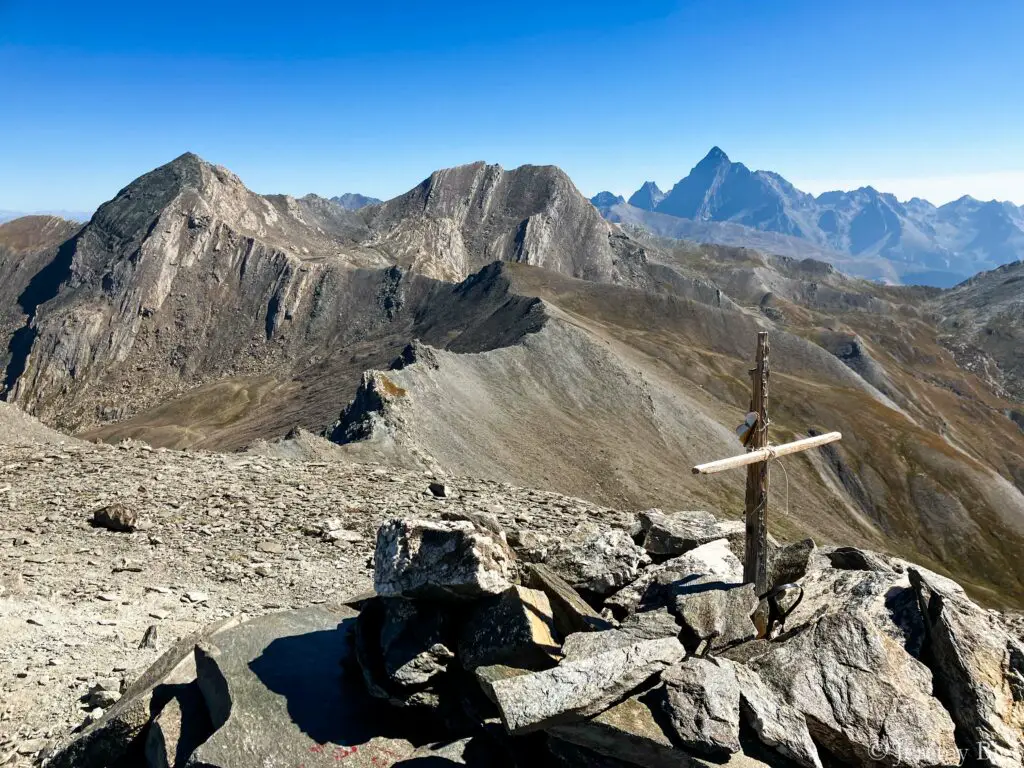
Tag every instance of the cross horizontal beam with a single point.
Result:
(763, 454)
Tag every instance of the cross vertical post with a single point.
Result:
(755, 565)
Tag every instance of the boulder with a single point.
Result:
(676, 533)
(121, 728)
(278, 695)
(702, 702)
(882, 594)
(863, 696)
(777, 724)
(451, 560)
(714, 615)
(515, 629)
(979, 672)
(648, 625)
(413, 642)
(714, 561)
(788, 563)
(571, 612)
(531, 546)
(597, 560)
(116, 517)
(579, 689)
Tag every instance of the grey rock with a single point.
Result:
(579, 689)
(702, 702)
(714, 560)
(107, 740)
(979, 671)
(116, 517)
(571, 612)
(647, 625)
(485, 521)
(149, 637)
(863, 696)
(777, 724)
(448, 560)
(627, 732)
(675, 533)
(515, 629)
(788, 563)
(530, 546)
(596, 559)
(714, 615)
(438, 490)
(181, 725)
(487, 676)
(412, 641)
(277, 694)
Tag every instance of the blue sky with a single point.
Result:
(914, 97)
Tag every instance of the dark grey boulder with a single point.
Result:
(121, 729)
(413, 641)
(571, 612)
(714, 615)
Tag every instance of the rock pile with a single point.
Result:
(613, 647)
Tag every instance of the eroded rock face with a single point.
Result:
(575, 690)
(862, 694)
(597, 560)
(446, 560)
(979, 671)
(715, 616)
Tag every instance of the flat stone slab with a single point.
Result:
(119, 731)
(579, 689)
(279, 696)
(571, 612)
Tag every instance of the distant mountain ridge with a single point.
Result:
(353, 201)
(928, 244)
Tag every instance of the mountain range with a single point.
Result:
(491, 323)
(724, 202)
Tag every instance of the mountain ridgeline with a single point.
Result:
(724, 202)
(492, 323)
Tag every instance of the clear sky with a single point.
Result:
(915, 97)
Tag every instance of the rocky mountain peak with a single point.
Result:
(714, 158)
(647, 197)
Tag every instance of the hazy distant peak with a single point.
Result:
(605, 200)
(353, 201)
(647, 197)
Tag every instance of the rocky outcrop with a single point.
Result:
(481, 213)
(979, 672)
(838, 689)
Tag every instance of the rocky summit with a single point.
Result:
(455, 661)
(302, 481)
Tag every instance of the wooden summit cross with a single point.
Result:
(759, 454)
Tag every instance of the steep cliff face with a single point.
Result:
(460, 219)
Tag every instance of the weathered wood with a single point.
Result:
(755, 562)
(766, 453)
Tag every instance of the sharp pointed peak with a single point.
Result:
(716, 155)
